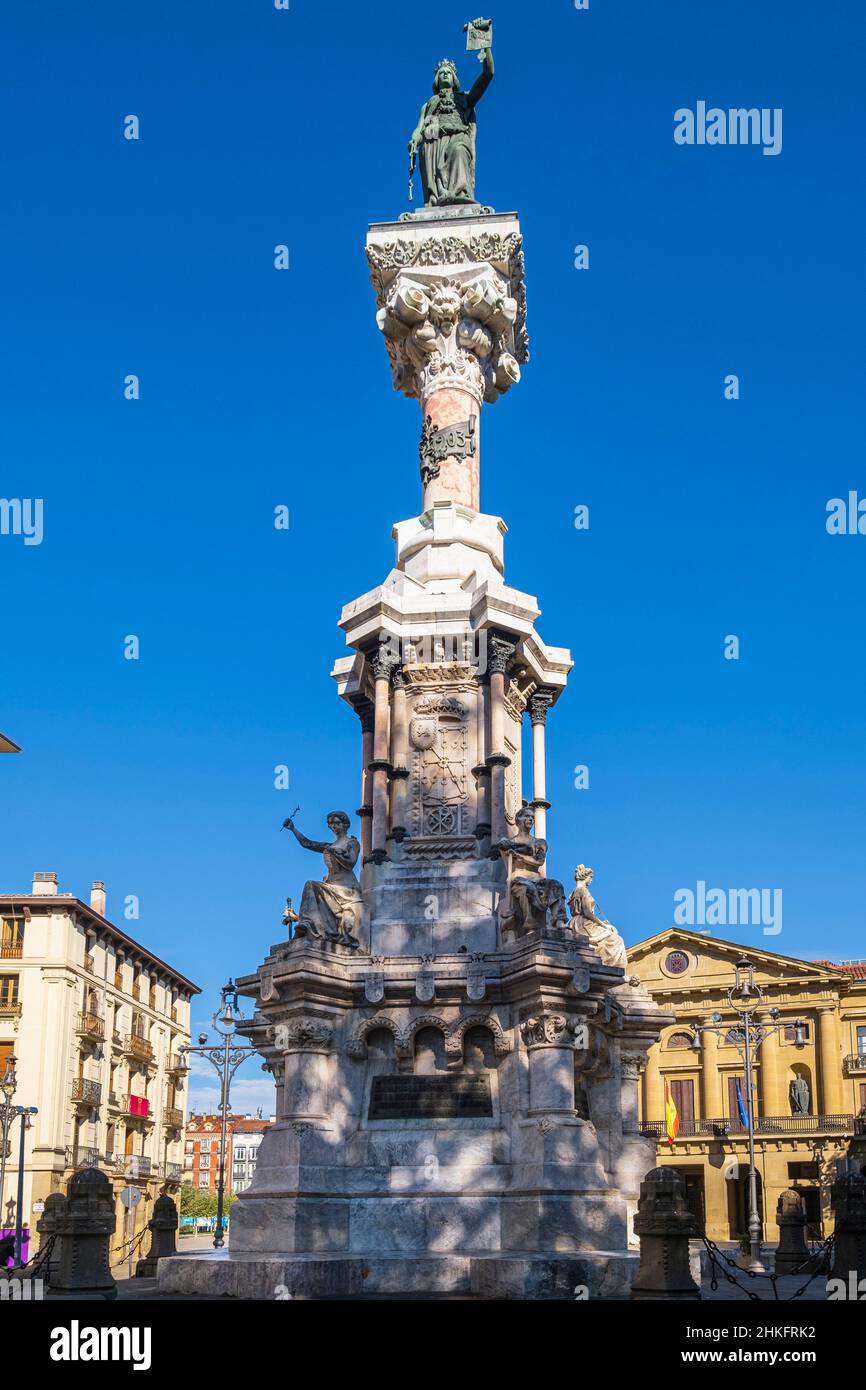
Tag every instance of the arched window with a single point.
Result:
(679, 1040)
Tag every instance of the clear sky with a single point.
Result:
(260, 388)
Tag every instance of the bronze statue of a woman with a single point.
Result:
(445, 134)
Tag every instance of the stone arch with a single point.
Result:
(458, 1030)
(678, 1037)
(358, 1045)
(425, 1021)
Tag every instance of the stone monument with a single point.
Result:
(456, 1062)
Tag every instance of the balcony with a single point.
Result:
(172, 1118)
(91, 1026)
(11, 950)
(86, 1092)
(855, 1064)
(138, 1107)
(115, 1102)
(766, 1127)
(173, 1172)
(82, 1158)
(138, 1047)
(10, 1009)
(133, 1165)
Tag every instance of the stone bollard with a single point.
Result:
(848, 1195)
(792, 1255)
(163, 1229)
(85, 1229)
(665, 1226)
(49, 1225)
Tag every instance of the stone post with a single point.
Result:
(399, 757)
(665, 1225)
(830, 1056)
(86, 1227)
(539, 704)
(848, 1196)
(500, 653)
(792, 1254)
(550, 1045)
(163, 1231)
(50, 1224)
(365, 810)
(382, 663)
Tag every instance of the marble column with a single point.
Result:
(382, 663)
(539, 704)
(481, 771)
(364, 710)
(500, 653)
(399, 757)
(712, 1104)
(830, 1062)
(550, 1045)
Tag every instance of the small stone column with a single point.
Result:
(399, 757)
(163, 1231)
(481, 771)
(848, 1196)
(665, 1226)
(86, 1228)
(364, 710)
(550, 1044)
(539, 704)
(792, 1254)
(500, 653)
(830, 1055)
(382, 663)
(305, 1043)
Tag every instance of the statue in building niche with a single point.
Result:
(600, 935)
(532, 901)
(445, 133)
(331, 908)
(799, 1094)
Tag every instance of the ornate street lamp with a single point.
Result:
(746, 997)
(25, 1111)
(225, 1058)
(7, 1115)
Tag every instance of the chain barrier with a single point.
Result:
(129, 1248)
(35, 1263)
(818, 1261)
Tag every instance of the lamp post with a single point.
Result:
(225, 1058)
(25, 1111)
(7, 1114)
(747, 998)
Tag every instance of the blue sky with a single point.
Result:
(261, 387)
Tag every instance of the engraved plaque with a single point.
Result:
(430, 1098)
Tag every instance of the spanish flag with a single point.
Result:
(672, 1119)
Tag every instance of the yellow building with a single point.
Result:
(95, 1022)
(7, 746)
(689, 974)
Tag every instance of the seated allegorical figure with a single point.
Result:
(600, 935)
(532, 902)
(331, 908)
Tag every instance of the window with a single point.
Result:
(204, 1180)
(204, 1160)
(679, 1040)
(790, 1032)
(8, 991)
(240, 1155)
(861, 1042)
(11, 937)
(189, 1145)
(187, 1163)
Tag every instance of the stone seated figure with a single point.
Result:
(331, 908)
(532, 902)
(599, 934)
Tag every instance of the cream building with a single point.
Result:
(96, 1023)
(689, 974)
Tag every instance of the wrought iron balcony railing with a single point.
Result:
(173, 1172)
(172, 1118)
(82, 1158)
(86, 1092)
(11, 950)
(91, 1025)
(766, 1126)
(138, 1047)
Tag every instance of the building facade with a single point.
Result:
(810, 1100)
(246, 1137)
(201, 1156)
(96, 1023)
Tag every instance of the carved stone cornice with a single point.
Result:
(302, 1035)
(545, 1030)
